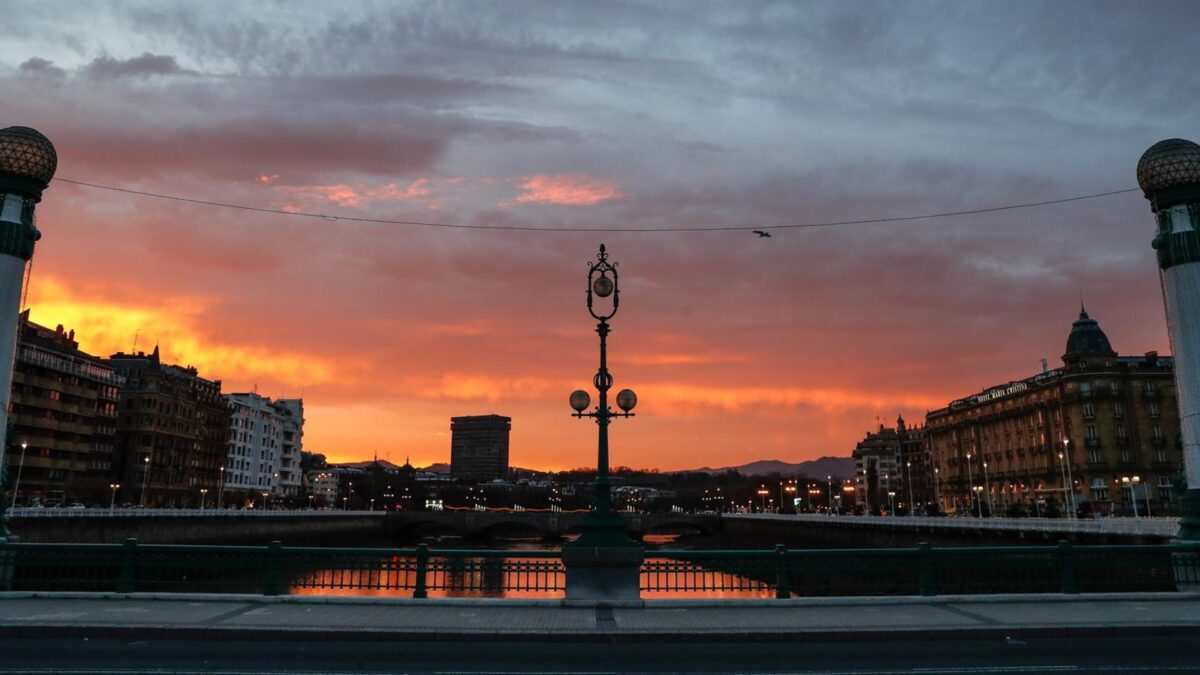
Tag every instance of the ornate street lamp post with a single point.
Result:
(602, 526)
(603, 563)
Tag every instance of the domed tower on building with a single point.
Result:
(1087, 344)
(1169, 175)
(27, 163)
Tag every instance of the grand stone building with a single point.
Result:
(172, 428)
(63, 416)
(479, 447)
(1064, 436)
(892, 460)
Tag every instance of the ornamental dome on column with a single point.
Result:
(1167, 165)
(27, 160)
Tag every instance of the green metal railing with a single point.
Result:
(277, 570)
(925, 570)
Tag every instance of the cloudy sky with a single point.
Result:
(585, 115)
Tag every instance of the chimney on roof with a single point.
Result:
(1045, 366)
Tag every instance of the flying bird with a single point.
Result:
(762, 234)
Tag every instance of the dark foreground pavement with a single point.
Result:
(177, 635)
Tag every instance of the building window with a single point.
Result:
(1094, 456)
(1090, 432)
(1122, 433)
(1125, 457)
(1160, 455)
(1089, 411)
(1152, 408)
(1118, 409)
(1085, 389)
(1099, 489)
(1165, 492)
(1156, 433)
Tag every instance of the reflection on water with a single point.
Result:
(516, 577)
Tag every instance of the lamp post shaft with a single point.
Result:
(603, 382)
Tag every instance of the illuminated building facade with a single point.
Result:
(1064, 436)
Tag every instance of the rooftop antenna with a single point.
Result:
(135, 337)
(1045, 366)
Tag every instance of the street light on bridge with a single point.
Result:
(602, 526)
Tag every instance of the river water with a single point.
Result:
(476, 578)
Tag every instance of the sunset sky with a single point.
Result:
(600, 115)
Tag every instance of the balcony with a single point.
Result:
(1092, 442)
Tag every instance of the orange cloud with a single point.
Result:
(104, 326)
(343, 194)
(568, 190)
(682, 399)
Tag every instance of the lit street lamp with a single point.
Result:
(145, 477)
(971, 483)
(203, 495)
(221, 491)
(937, 490)
(911, 510)
(892, 503)
(829, 480)
(602, 526)
(112, 502)
(264, 496)
(987, 487)
(20, 468)
(1131, 483)
(1064, 459)
(762, 493)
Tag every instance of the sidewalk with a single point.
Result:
(234, 617)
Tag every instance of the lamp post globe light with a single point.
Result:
(27, 163)
(603, 563)
(1169, 175)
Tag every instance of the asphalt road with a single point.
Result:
(975, 657)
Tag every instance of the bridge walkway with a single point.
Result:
(234, 617)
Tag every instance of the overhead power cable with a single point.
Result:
(530, 228)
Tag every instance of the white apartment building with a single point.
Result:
(265, 440)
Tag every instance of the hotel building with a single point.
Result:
(1102, 428)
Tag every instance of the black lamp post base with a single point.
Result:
(603, 573)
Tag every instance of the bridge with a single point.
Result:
(210, 526)
(230, 526)
(487, 524)
(829, 530)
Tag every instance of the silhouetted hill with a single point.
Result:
(838, 467)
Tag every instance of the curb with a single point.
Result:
(213, 634)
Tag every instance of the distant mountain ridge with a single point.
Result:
(838, 467)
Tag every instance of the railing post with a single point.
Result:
(128, 578)
(1066, 559)
(273, 577)
(782, 591)
(928, 577)
(419, 589)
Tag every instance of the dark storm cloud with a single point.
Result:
(38, 67)
(107, 67)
